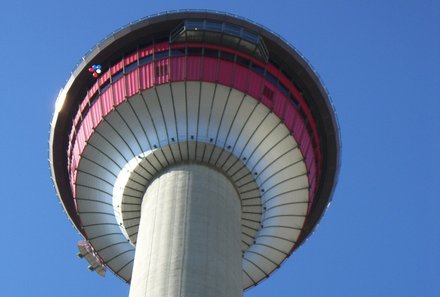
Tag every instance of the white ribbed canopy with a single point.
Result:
(193, 122)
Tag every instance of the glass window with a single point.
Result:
(244, 62)
(130, 67)
(213, 26)
(117, 76)
(177, 52)
(230, 41)
(232, 29)
(194, 51)
(211, 53)
(257, 69)
(250, 36)
(212, 37)
(270, 77)
(227, 56)
(194, 24)
(160, 55)
(145, 60)
(246, 46)
(194, 36)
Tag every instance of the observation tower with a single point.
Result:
(194, 152)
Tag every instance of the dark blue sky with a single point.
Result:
(380, 61)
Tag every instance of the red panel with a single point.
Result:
(279, 104)
(267, 102)
(305, 143)
(310, 159)
(161, 71)
(224, 73)
(118, 91)
(94, 89)
(241, 78)
(193, 68)
(147, 76)
(256, 82)
(84, 103)
(197, 68)
(96, 113)
(160, 47)
(132, 82)
(103, 78)
(177, 68)
(80, 141)
(130, 59)
(298, 129)
(209, 71)
(145, 52)
(87, 125)
(117, 67)
(290, 116)
(106, 101)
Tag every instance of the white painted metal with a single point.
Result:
(189, 236)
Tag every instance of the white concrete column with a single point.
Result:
(189, 237)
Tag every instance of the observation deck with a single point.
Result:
(195, 88)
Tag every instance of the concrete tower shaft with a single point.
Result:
(189, 236)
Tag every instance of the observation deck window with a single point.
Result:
(224, 34)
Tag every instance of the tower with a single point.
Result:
(194, 151)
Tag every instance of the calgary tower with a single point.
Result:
(194, 152)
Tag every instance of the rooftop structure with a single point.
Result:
(196, 156)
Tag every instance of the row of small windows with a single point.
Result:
(226, 34)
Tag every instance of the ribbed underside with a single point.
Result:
(193, 121)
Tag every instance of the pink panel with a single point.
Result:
(310, 159)
(75, 154)
(197, 68)
(161, 71)
(77, 119)
(96, 113)
(279, 104)
(117, 67)
(160, 47)
(305, 142)
(132, 82)
(267, 102)
(241, 78)
(210, 69)
(290, 116)
(130, 59)
(298, 129)
(118, 91)
(193, 68)
(177, 68)
(224, 73)
(103, 78)
(87, 125)
(106, 101)
(147, 76)
(255, 84)
(80, 141)
(84, 103)
(94, 89)
(145, 52)
(72, 136)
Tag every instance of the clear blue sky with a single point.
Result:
(380, 61)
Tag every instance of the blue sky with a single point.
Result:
(380, 61)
